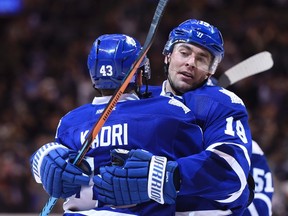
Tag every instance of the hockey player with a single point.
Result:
(159, 125)
(264, 187)
(262, 175)
(262, 203)
(186, 32)
(214, 175)
(208, 37)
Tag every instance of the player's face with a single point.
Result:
(188, 67)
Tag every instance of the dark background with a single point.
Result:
(43, 52)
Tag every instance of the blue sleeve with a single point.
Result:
(220, 172)
(264, 186)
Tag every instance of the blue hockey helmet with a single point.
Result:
(200, 33)
(111, 58)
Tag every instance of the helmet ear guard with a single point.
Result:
(201, 34)
(110, 59)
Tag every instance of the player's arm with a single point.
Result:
(220, 172)
(264, 188)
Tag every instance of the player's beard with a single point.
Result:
(181, 83)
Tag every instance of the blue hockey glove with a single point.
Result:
(59, 177)
(142, 177)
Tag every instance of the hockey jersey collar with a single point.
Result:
(209, 82)
(168, 94)
(163, 91)
(124, 97)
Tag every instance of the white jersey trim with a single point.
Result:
(105, 99)
(252, 209)
(94, 212)
(235, 166)
(38, 158)
(211, 147)
(256, 148)
(205, 213)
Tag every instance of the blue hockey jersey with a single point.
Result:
(161, 125)
(264, 186)
(206, 132)
(262, 203)
(213, 172)
(227, 144)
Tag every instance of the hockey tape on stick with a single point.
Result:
(253, 65)
(114, 99)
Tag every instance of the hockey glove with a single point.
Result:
(52, 166)
(142, 177)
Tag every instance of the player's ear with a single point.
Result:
(167, 59)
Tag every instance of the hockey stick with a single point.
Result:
(115, 97)
(253, 65)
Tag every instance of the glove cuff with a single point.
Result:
(37, 158)
(172, 167)
(156, 178)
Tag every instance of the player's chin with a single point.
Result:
(184, 87)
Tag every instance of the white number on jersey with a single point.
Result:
(240, 131)
(106, 70)
(263, 181)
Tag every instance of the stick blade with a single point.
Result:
(253, 65)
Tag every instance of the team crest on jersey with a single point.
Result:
(234, 98)
(178, 103)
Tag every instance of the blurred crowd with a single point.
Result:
(43, 75)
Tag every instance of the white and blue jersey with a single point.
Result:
(161, 125)
(210, 106)
(214, 171)
(215, 179)
(206, 131)
(264, 187)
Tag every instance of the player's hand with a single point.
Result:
(59, 177)
(142, 177)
